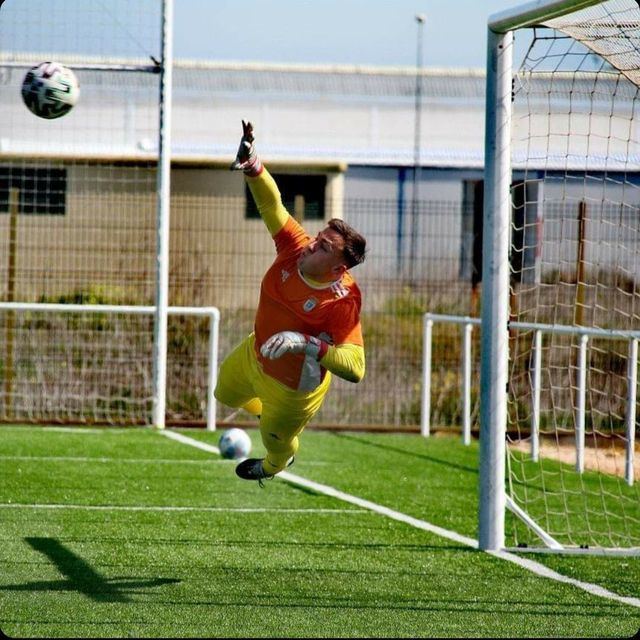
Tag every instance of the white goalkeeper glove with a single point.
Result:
(247, 159)
(293, 342)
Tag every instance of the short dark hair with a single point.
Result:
(355, 245)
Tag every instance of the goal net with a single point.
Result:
(78, 221)
(574, 281)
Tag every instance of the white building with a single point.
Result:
(347, 136)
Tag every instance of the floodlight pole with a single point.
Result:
(413, 237)
(163, 191)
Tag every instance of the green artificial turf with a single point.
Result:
(176, 546)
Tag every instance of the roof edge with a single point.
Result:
(29, 57)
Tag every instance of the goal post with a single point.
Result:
(495, 291)
(561, 247)
(162, 222)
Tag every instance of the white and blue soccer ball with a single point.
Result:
(234, 444)
(50, 90)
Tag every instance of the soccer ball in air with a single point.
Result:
(50, 90)
(234, 444)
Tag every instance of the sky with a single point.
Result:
(357, 32)
(366, 32)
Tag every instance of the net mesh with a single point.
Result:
(77, 212)
(575, 260)
(92, 239)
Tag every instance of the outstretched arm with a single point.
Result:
(263, 187)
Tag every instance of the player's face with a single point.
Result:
(322, 259)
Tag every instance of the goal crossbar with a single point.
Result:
(532, 13)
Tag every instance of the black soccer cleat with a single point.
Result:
(251, 469)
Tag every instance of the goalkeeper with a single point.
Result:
(307, 324)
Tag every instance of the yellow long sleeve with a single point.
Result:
(267, 197)
(346, 361)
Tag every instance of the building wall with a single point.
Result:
(380, 202)
(108, 229)
(106, 241)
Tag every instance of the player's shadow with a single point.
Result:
(79, 576)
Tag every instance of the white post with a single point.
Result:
(632, 383)
(425, 413)
(466, 382)
(535, 411)
(214, 322)
(162, 233)
(495, 291)
(582, 402)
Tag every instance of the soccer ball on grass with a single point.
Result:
(234, 444)
(50, 90)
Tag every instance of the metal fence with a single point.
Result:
(101, 251)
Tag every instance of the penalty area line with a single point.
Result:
(525, 563)
(178, 437)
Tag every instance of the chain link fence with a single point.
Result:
(100, 249)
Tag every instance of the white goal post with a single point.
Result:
(584, 147)
(162, 222)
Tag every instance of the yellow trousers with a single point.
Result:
(283, 412)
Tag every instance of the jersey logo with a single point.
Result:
(339, 290)
(309, 304)
(285, 274)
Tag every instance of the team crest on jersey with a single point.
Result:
(309, 304)
(285, 274)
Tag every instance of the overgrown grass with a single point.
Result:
(176, 546)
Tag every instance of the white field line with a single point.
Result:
(206, 461)
(203, 446)
(83, 430)
(77, 430)
(544, 571)
(377, 508)
(110, 507)
(535, 567)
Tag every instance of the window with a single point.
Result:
(471, 245)
(525, 231)
(302, 195)
(42, 191)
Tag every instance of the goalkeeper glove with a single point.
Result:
(293, 342)
(247, 159)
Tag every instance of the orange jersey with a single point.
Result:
(289, 303)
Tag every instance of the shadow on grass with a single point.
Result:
(79, 576)
(404, 452)
(461, 606)
(266, 542)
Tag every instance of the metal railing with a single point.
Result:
(211, 312)
(584, 334)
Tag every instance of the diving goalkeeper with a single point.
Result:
(307, 324)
